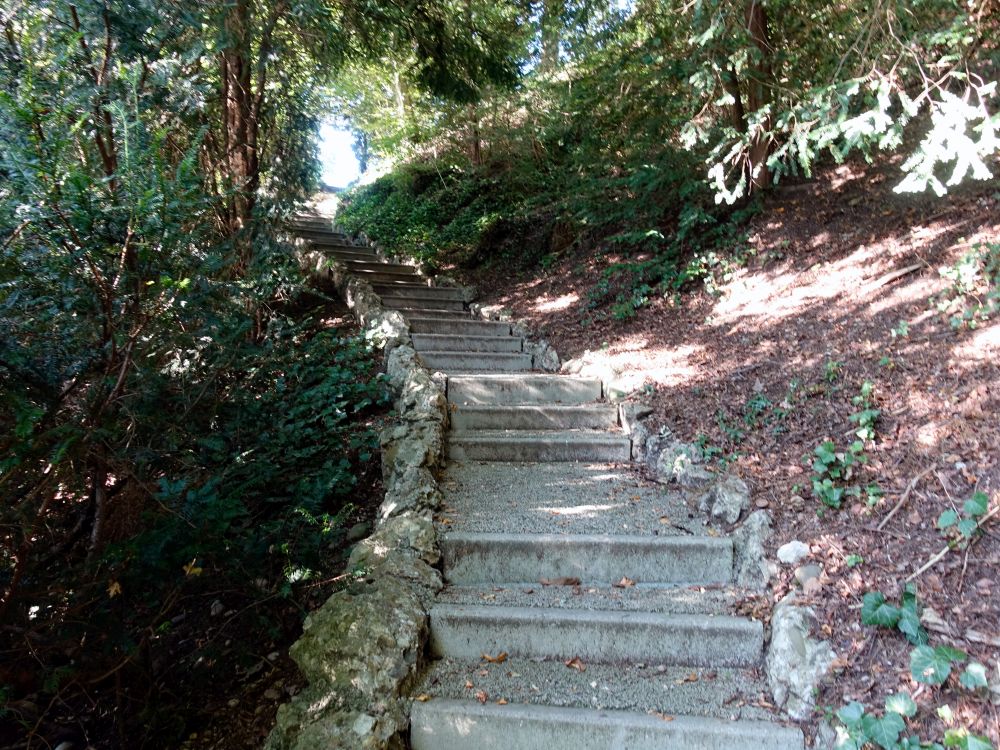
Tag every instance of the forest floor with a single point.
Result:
(840, 289)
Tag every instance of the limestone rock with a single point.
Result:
(674, 461)
(750, 566)
(418, 395)
(726, 499)
(544, 357)
(631, 414)
(410, 445)
(409, 532)
(793, 552)
(795, 662)
(360, 652)
(412, 488)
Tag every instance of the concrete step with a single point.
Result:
(592, 558)
(410, 303)
(319, 234)
(418, 291)
(489, 361)
(452, 343)
(709, 692)
(469, 631)
(671, 599)
(523, 389)
(427, 312)
(519, 445)
(534, 417)
(360, 254)
(457, 327)
(562, 498)
(470, 725)
(373, 276)
(380, 267)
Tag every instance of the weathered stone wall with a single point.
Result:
(361, 651)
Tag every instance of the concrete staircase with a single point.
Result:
(583, 608)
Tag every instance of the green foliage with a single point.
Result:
(906, 617)
(974, 293)
(833, 472)
(866, 418)
(961, 526)
(930, 665)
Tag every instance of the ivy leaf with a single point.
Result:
(947, 519)
(875, 610)
(902, 704)
(976, 505)
(851, 714)
(967, 527)
(974, 676)
(932, 666)
(883, 731)
(909, 625)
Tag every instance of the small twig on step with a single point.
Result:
(903, 498)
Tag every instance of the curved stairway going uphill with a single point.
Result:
(583, 608)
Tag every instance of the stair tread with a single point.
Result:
(650, 598)
(462, 724)
(655, 687)
(590, 498)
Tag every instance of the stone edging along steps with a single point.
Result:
(569, 616)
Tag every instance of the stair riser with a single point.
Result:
(419, 292)
(461, 725)
(599, 417)
(379, 267)
(496, 344)
(472, 449)
(320, 235)
(604, 637)
(345, 255)
(489, 361)
(374, 277)
(602, 560)
(540, 390)
(458, 327)
(402, 303)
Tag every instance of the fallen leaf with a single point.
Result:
(576, 664)
(191, 569)
(469, 685)
(565, 581)
(502, 702)
(624, 583)
(481, 696)
(422, 698)
(498, 659)
(690, 677)
(446, 521)
(663, 717)
(114, 589)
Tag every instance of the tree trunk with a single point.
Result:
(551, 23)
(759, 96)
(239, 131)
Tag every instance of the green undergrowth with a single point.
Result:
(240, 469)
(656, 224)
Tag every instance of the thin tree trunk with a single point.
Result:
(239, 130)
(759, 95)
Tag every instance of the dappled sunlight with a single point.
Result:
(545, 304)
(979, 347)
(585, 511)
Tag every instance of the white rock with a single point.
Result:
(793, 552)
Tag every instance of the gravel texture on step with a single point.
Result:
(638, 598)
(717, 692)
(496, 497)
